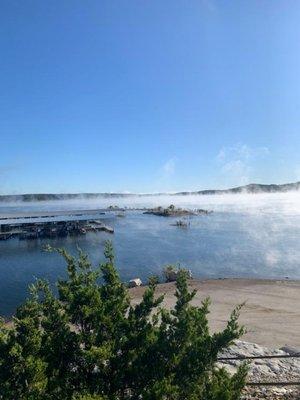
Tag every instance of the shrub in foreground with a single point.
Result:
(89, 343)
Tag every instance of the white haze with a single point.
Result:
(266, 203)
(252, 234)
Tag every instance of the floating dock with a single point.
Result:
(50, 214)
(51, 224)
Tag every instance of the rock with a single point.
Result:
(171, 273)
(265, 370)
(291, 350)
(173, 211)
(135, 283)
(171, 276)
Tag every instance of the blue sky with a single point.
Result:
(146, 96)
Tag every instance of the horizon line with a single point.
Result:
(127, 193)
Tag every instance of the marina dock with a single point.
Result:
(50, 214)
(51, 224)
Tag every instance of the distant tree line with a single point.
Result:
(89, 342)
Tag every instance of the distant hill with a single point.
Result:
(251, 188)
(60, 196)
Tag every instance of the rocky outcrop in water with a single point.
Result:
(173, 211)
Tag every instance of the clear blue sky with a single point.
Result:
(142, 96)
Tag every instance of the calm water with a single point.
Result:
(246, 236)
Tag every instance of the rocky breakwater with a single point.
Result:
(267, 370)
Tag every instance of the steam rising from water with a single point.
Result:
(266, 203)
(246, 236)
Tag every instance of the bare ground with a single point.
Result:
(271, 313)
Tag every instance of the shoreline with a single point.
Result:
(271, 314)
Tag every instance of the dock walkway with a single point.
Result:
(6, 216)
(48, 224)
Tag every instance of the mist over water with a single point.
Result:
(254, 236)
(274, 203)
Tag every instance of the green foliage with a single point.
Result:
(90, 343)
(171, 271)
(89, 397)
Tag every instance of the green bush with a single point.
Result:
(89, 342)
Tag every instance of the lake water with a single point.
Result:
(255, 236)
